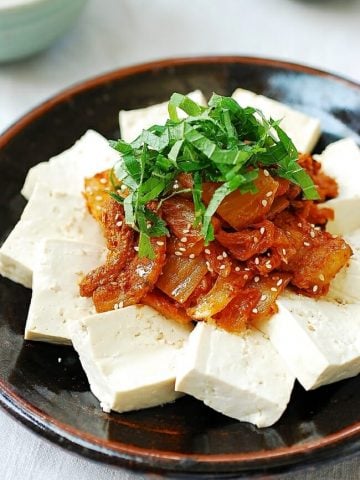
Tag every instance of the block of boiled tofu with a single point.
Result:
(66, 172)
(345, 288)
(241, 376)
(129, 356)
(341, 160)
(133, 122)
(302, 129)
(318, 339)
(48, 214)
(55, 301)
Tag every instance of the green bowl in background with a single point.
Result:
(29, 26)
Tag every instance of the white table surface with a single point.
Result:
(115, 33)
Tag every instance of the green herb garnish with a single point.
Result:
(219, 143)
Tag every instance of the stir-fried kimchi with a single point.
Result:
(264, 242)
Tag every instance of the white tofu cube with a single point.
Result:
(341, 160)
(302, 129)
(345, 288)
(318, 339)
(129, 356)
(66, 172)
(48, 214)
(241, 376)
(55, 301)
(133, 122)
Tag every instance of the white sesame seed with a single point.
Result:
(98, 198)
(269, 193)
(273, 289)
(256, 240)
(59, 360)
(208, 266)
(188, 226)
(321, 276)
(119, 223)
(246, 277)
(182, 249)
(268, 266)
(237, 269)
(224, 254)
(263, 297)
(257, 279)
(160, 243)
(279, 282)
(184, 240)
(262, 230)
(121, 304)
(207, 251)
(136, 249)
(192, 255)
(284, 251)
(254, 310)
(186, 230)
(334, 236)
(306, 244)
(266, 173)
(257, 261)
(178, 254)
(219, 257)
(222, 267)
(264, 203)
(312, 234)
(315, 288)
(247, 269)
(103, 181)
(116, 306)
(117, 216)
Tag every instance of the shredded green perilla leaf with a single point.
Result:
(219, 143)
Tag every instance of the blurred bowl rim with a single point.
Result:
(16, 5)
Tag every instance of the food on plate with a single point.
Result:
(130, 361)
(345, 286)
(241, 376)
(55, 300)
(66, 171)
(133, 122)
(341, 160)
(319, 340)
(302, 129)
(197, 255)
(191, 205)
(48, 214)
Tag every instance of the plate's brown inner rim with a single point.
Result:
(14, 403)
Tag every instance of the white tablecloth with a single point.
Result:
(115, 33)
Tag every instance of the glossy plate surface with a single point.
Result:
(53, 398)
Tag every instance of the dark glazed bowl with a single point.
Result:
(185, 437)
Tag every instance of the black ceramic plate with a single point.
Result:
(54, 399)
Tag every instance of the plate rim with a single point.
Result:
(136, 457)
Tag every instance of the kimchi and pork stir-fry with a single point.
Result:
(210, 218)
